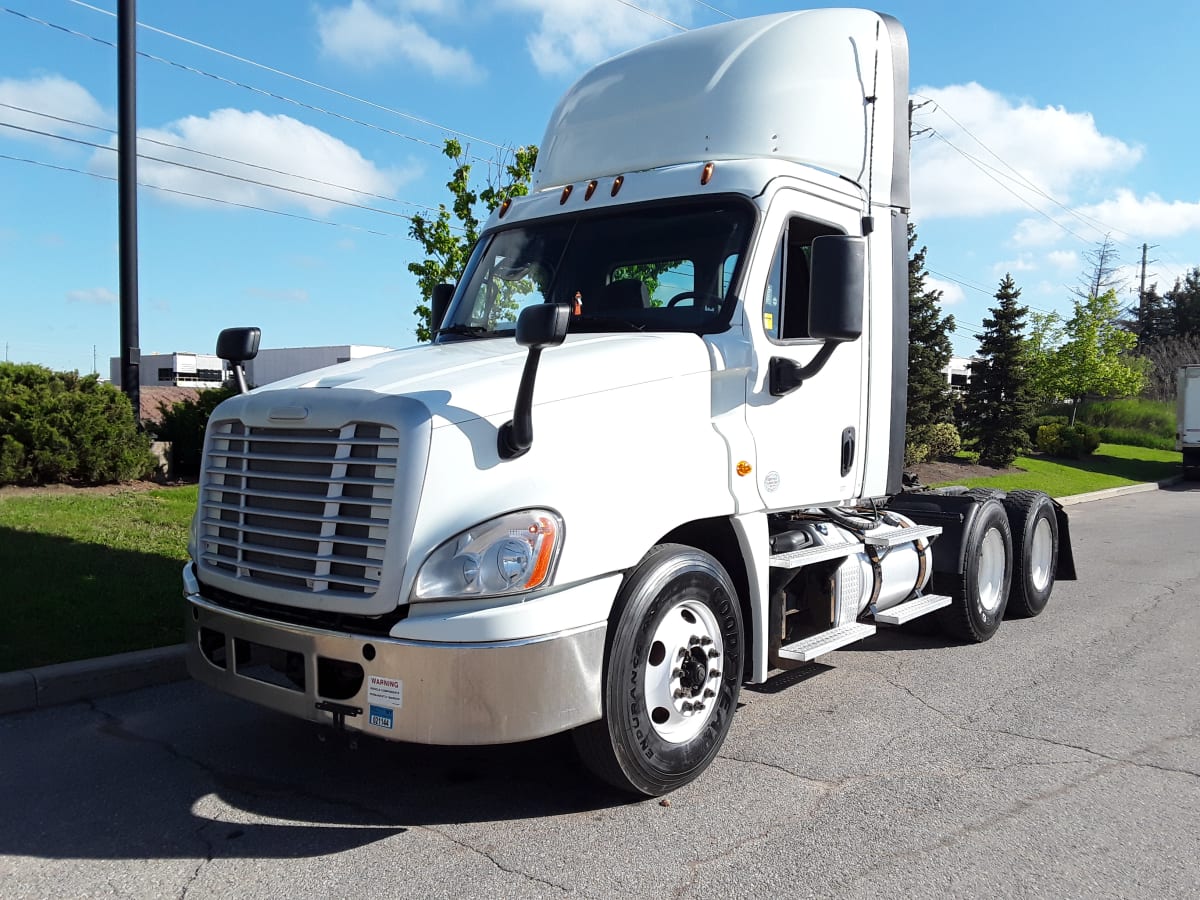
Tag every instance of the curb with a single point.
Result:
(1120, 491)
(85, 679)
(89, 678)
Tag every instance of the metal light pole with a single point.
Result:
(131, 354)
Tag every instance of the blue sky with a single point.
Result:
(1052, 124)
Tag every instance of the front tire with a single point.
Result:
(980, 592)
(672, 673)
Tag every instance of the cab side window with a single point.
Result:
(786, 299)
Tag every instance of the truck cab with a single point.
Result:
(654, 451)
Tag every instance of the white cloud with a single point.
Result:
(572, 34)
(1128, 216)
(952, 292)
(363, 35)
(1063, 259)
(1023, 263)
(93, 296)
(54, 96)
(1055, 150)
(276, 142)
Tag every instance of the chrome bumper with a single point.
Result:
(428, 693)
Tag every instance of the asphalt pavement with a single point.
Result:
(1059, 759)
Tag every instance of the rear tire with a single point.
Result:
(980, 592)
(1034, 524)
(672, 673)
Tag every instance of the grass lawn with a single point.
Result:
(87, 573)
(1112, 465)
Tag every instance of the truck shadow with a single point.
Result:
(182, 772)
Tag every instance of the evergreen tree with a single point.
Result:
(999, 407)
(929, 350)
(1183, 301)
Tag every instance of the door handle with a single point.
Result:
(847, 451)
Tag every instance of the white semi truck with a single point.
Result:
(1187, 419)
(654, 451)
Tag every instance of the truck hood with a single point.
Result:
(476, 379)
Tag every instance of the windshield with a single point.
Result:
(661, 268)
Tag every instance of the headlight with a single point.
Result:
(506, 555)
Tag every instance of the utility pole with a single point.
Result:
(131, 354)
(1142, 289)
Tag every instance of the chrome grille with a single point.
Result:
(302, 508)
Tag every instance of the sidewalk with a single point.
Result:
(88, 678)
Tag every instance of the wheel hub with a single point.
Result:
(683, 671)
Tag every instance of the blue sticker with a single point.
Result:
(381, 717)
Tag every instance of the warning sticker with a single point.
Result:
(381, 716)
(385, 691)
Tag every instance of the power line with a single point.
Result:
(183, 165)
(155, 187)
(1091, 221)
(719, 12)
(983, 167)
(240, 162)
(249, 87)
(640, 9)
(297, 78)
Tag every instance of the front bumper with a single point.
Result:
(423, 692)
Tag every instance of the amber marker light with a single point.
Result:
(544, 549)
(565, 194)
(505, 205)
(744, 468)
(591, 189)
(617, 182)
(706, 175)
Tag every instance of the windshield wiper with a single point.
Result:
(464, 329)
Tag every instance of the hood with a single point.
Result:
(473, 379)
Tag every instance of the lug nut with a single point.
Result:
(705, 641)
(714, 673)
(699, 707)
(677, 673)
(709, 693)
(713, 653)
(679, 694)
(686, 706)
(693, 640)
(683, 654)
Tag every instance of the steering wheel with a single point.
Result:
(684, 295)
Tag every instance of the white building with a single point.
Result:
(197, 370)
(202, 370)
(958, 372)
(275, 365)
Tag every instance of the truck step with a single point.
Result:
(812, 647)
(912, 609)
(903, 536)
(794, 559)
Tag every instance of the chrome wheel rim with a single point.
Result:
(683, 671)
(991, 570)
(1041, 555)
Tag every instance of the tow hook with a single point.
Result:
(340, 711)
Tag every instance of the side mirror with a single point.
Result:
(837, 287)
(236, 346)
(439, 303)
(543, 325)
(540, 326)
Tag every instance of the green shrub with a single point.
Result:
(60, 426)
(1039, 421)
(1133, 438)
(915, 453)
(943, 440)
(1068, 441)
(183, 425)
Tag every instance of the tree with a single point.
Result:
(1102, 275)
(1183, 302)
(1091, 355)
(929, 350)
(998, 407)
(448, 241)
